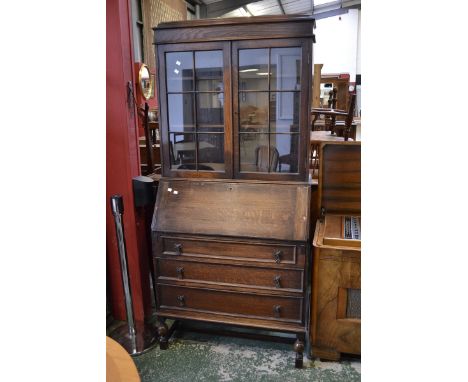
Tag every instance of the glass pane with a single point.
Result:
(180, 109)
(253, 69)
(179, 71)
(210, 112)
(211, 152)
(253, 111)
(182, 150)
(254, 153)
(287, 148)
(284, 112)
(285, 67)
(209, 70)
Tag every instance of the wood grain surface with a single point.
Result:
(233, 209)
(340, 177)
(224, 274)
(230, 251)
(335, 270)
(239, 28)
(240, 304)
(119, 365)
(336, 261)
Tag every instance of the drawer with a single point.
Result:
(230, 303)
(233, 250)
(271, 278)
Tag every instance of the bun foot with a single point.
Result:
(299, 349)
(162, 332)
(299, 361)
(163, 345)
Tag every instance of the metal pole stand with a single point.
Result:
(135, 337)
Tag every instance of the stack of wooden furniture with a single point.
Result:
(344, 128)
(338, 130)
(340, 82)
(231, 225)
(336, 290)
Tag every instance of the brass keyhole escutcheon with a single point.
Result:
(180, 272)
(277, 280)
(277, 256)
(181, 300)
(277, 310)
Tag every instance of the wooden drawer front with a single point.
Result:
(230, 274)
(267, 253)
(230, 303)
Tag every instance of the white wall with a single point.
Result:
(337, 44)
(358, 58)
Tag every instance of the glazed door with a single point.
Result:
(271, 118)
(195, 99)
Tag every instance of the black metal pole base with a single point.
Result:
(145, 338)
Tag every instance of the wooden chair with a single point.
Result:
(330, 120)
(344, 128)
(261, 158)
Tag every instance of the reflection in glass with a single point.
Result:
(211, 152)
(285, 68)
(253, 111)
(179, 71)
(180, 110)
(284, 112)
(210, 112)
(254, 153)
(253, 69)
(182, 150)
(287, 146)
(209, 70)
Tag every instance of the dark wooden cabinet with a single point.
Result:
(236, 106)
(231, 225)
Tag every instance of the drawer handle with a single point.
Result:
(181, 300)
(277, 256)
(277, 280)
(180, 272)
(178, 249)
(277, 310)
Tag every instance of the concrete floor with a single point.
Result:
(194, 356)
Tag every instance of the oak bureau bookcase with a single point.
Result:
(231, 225)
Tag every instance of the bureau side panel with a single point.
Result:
(337, 274)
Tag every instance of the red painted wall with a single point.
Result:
(122, 162)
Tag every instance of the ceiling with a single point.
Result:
(239, 8)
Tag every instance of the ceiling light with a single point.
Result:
(248, 70)
(322, 2)
(262, 74)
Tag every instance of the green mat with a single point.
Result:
(204, 357)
